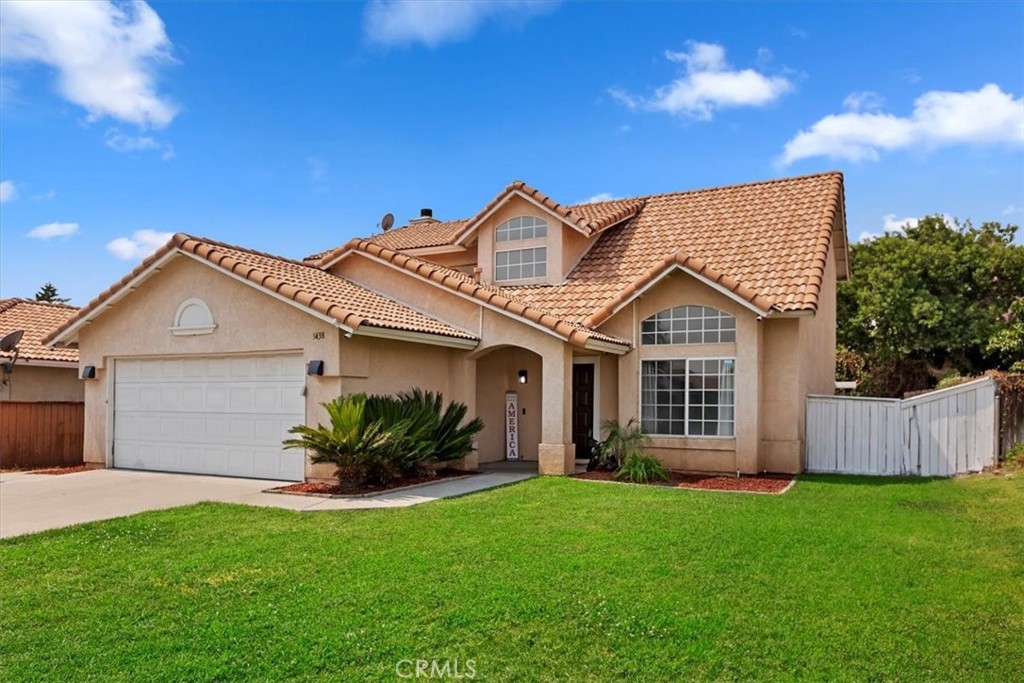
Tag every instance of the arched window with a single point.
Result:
(193, 317)
(521, 228)
(689, 325)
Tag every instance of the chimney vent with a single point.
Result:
(426, 216)
(426, 213)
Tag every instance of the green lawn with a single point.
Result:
(551, 579)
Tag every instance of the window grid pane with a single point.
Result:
(522, 228)
(694, 397)
(689, 325)
(521, 264)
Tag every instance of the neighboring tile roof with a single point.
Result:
(336, 297)
(498, 297)
(37, 319)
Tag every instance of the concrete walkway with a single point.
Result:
(37, 502)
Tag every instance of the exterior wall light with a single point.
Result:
(523, 377)
(315, 367)
(88, 372)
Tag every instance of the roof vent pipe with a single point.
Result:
(426, 213)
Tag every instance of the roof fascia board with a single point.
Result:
(294, 304)
(123, 291)
(367, 330)
(710, 283)
(606, 347)
(472, 227)
(438, 249)
(463, 295)
(29, 362)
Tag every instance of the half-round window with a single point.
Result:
(193, 317)
(689, 325)
(522, 228)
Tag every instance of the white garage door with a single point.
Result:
(209, 415)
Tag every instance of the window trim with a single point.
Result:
(686, 402)
(722, 314)
(539, 278)
(498, 227)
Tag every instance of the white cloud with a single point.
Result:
(7, 191)
(602, 197)
(318, 169)
(127, 143)
(50, 230)
(398, 22)
(798, 32)
(864, 100)
(47, 196)
(141, 244)
(106, 54)
(708, 84)
(985, 116)
(1012, 209)
(890, 223)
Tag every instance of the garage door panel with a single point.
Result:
(209, 415)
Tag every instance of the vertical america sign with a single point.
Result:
(511, 425)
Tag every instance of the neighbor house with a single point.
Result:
(41, 397)
(40, 373)
(708, 315)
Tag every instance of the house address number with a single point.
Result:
(319, 335)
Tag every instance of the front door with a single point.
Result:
(583, 427)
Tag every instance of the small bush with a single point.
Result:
(1014, 458)
(639, 468)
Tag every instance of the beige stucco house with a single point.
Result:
(709, 315)
(38, 374)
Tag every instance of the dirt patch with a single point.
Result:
(335, 491)
(760, 483)
(71, 469)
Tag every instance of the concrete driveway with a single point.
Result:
(37, 502)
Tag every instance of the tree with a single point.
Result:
(936, 299)
(48, 292)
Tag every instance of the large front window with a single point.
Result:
(688, 397)
(521, 264)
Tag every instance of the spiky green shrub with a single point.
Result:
(623, 441)
(358, 448)
(641, 469)
(377, 439)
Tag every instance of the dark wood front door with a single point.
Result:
(583, 427)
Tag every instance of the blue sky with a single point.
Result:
(292, 127)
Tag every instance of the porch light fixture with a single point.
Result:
(315, 367)
(88, 372)
(522, 377)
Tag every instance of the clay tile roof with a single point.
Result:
(346, 302)
(499, 297)
(766, 242)
(37, 319)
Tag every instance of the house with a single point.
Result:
(39, 373)
(41, 397)
(708, 314)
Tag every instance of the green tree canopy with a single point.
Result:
(48, 292)
(944, 295)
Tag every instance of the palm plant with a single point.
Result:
(623, 441)
(353, 445)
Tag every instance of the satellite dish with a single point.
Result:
(387, 221)
(10, 341)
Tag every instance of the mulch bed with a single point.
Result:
(760, 483)
(333, 490)
(71, 469)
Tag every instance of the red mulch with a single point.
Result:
(71, 469)
(760, 483)
(311, 489)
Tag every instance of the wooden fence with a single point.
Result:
(41, 434)
(941, 433)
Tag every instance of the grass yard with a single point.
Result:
(553, 579)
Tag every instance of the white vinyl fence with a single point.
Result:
(938, 434)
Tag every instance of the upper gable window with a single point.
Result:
(522, 228)
(689, 325)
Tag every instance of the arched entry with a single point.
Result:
(501, 370)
